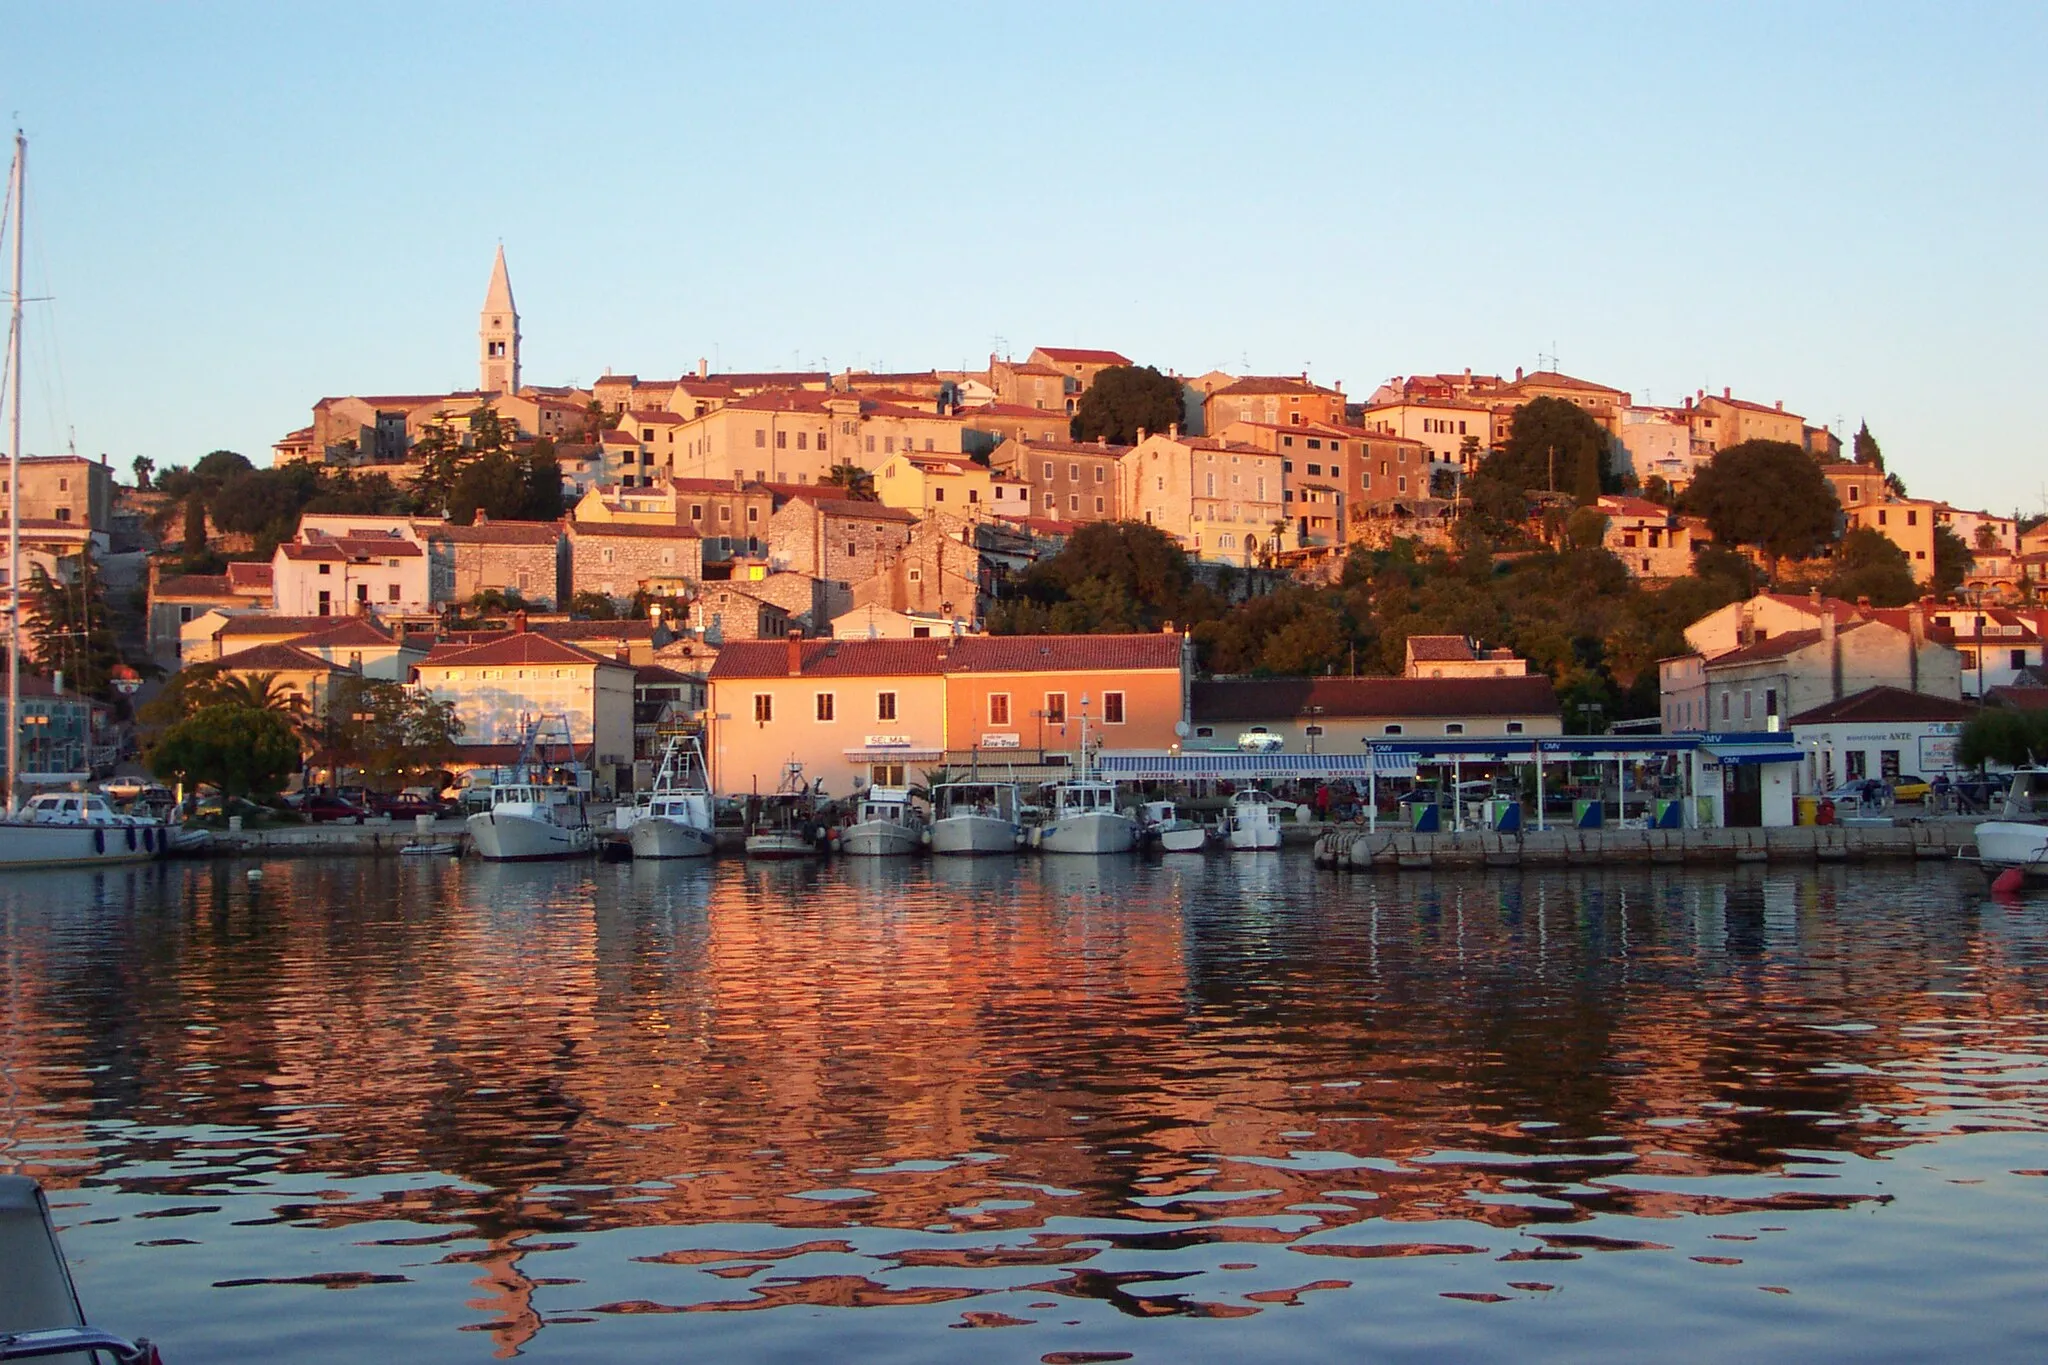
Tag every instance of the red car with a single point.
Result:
(321, 808)
(406, 807)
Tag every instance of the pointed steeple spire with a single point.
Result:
(499, 334)
(499, 299)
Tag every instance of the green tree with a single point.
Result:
(71, 630)
(218, 466)
(543, 483)
(1868, 565)
(195, 530)
(1124, 400)
(387, 732)
(2002, 735)
(858, 483)
(1769, 494)
(488, 432)
(1555, 446)
(593, 606)
(233, 748)
(1953, 561)
(1110, 577)
(144, 467)
(1866, 448)
(495, 485)
(265, 503)
(1292, 632)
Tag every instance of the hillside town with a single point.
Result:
(876, 575)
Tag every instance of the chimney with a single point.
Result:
(1688, 402)
(1863, 606)
(1916, 636)
(519, 622)
(482, 517)
(1141, 435)
(1102, 441)
(1834, 644)
(1813, 596)
(1173, 430)
(1727, 392)
(1518, 374)
(703, 368)
(796, 653)
(1781, 405)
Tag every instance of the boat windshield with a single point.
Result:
(975, 798)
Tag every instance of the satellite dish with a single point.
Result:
(1180, 727)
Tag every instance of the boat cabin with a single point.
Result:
(997, 800)
(68, 808)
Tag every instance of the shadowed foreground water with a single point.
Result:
(1034, 1111)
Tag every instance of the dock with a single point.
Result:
(1394, 850)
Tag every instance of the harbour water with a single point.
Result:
(1056, 1110)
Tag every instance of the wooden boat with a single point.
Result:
(785, 823)
(887, 824)
(1163, 824)
(674, 819)
(975, 817)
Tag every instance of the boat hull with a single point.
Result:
(2003, 844)
(780, 844)
(1189, 840)
(41, 845)
(1089, 832)
(1254, 838)
(656, 836)
(505, 838)
(958, 835)
(880, 839)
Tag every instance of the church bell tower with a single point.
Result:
(499, 371)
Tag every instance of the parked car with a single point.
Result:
(321, 807)
(1909, 788)
(406, 806)
(1869, 791)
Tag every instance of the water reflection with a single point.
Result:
(550, 1105)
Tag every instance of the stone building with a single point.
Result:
(618, 559)
(1065, 480)
(836, 538)
(530, 558)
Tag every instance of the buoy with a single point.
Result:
(2008, 882)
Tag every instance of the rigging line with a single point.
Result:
(57, 411)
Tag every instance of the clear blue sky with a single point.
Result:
(240, 209)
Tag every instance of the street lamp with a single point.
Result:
(1314, 726)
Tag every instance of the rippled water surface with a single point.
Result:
(1234, 1109)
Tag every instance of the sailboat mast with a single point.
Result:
(14, 489)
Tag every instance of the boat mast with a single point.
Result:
(14, 490)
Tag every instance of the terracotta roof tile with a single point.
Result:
(194, 585)
(1875, 704)
(1063, 653)
(513, 649)
(598, 530)
(275, 658)
(1074, 355)
(501, 533)
(1440, 648)
(284, 627)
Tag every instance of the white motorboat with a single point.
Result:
(39, 1310)
(1253, 821)
(887, 824)
(2016, 838)
(785, 824)
(532, 821)
(1082, 817)
(674, 819)
(78, 829)
(975, 817)
(1162, 823)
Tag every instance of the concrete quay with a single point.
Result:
(1400, 851)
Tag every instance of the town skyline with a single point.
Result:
(1779, 224)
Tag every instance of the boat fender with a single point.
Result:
(148, 839)
(131, 838)
(925, 837)
(99, 841)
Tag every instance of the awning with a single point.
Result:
(894, 755)
(1730, 753)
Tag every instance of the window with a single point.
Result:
(764, 708)
(1912, 518)
(889, 445)
(1112, 708)
(852, 550)
(871, 443)
(2019, 658)
(938, 495)
(1456, 727)
(394, 592)
(1056, 708)
(760, 438)
(1390, 730)
(1724, 706)
(1098, 473)
(1048, 469)
(696, 511)
(916, 574)
(999, 708)
(824, 706)
(885, 774)
(1514, 727)
(1073, 502)
(1074, 472)
(1770, 701)
(326, 568)
(362, 592)
(885, 706)
(1315, 469)
(1205, 732)
(725, 513)
(1099, 507)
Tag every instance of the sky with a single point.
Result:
(235, 210)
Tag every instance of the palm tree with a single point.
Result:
(262, 692)
(858, 483)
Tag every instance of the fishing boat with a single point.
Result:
(674, 819)
(1253, 821)
(1081, 816)
(530, 820)
(40, 1316)
(975, 817)
(887, 824)
(785, 823)
(1162, 823)
(2016, 840)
